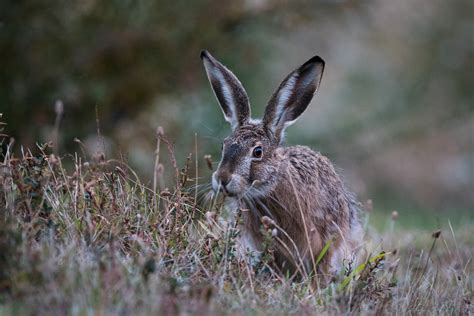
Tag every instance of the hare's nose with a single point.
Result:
(224, 178)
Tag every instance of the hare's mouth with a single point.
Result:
(230, 186)
(226, 192)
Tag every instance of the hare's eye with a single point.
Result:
(257, 152)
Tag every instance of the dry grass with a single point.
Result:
(94, 239)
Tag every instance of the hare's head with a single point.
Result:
(249, 161)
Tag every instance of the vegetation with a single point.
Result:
(94, 239)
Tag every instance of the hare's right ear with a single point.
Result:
(228, 90)
(293, 96)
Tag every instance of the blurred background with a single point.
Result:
(394, 111)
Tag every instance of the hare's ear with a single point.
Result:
(228, 90)
(293, 96)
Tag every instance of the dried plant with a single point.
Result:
(82, 236)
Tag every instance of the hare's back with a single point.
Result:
(315, 179)
(308, 167)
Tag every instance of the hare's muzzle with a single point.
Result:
(221, 180)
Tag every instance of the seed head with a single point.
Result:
(256, 183)
(52, 159)
(394, 215)
(436, 234)
(369, 206)
(160, 132)
(267, 222)
(210, 217)
(166, 192)
(208, 159)
(99, 157)
(59, 107)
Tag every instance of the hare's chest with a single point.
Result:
(248, 244)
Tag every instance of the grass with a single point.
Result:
(94, 239)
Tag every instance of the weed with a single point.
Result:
(94, 238)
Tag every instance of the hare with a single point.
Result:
(294, 191)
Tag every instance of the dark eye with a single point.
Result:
(257, 152)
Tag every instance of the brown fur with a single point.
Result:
(294, 189)
(307, 191)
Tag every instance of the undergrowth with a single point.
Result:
(92, 238)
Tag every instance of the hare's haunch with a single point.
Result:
(294, 189)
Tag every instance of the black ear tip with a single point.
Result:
(204, 54)
(315, 60)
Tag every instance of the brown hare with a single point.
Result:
(293, 190)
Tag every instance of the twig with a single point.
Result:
(59, 110)
(159, 133)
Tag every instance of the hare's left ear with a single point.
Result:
(293, 96)
(228, 90)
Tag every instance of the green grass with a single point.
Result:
(419, 219)
(94, 239)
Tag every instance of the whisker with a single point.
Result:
(251, 205)
(198, 186)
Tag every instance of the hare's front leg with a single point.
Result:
(247, 249)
